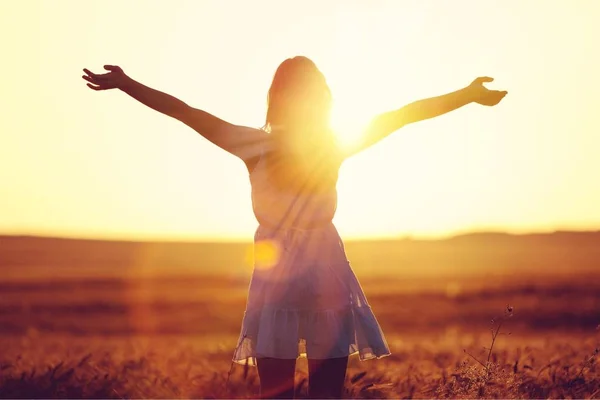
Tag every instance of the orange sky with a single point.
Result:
(74, 162)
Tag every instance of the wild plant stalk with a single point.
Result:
(508, 313)
(588, 363)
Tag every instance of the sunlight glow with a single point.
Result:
(348, 124)
(263, 255)
(100, 165)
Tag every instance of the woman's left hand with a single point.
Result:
(114, 79)
(482, 95)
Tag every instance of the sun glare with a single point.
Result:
(348, 124)
(264, 254)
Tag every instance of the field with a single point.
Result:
(71, 332)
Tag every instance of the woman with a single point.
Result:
(303, 295)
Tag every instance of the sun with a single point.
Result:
(348, 123)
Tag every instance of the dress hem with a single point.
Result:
(251, 361)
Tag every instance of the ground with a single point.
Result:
(173, 338)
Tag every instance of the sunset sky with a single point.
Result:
(79, 163)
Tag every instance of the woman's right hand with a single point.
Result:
(115, 79)
(482, 95)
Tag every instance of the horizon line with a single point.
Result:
(218, 240)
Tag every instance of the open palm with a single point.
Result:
(111, 80)
(483, 95)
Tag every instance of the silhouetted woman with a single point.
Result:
(303, 295)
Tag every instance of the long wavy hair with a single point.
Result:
(299, 105)
(299, 102)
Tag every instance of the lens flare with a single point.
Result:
(263, 255)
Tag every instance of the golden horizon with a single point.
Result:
(86, 163)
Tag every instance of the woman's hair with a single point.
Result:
(299, 99)
(298, 111)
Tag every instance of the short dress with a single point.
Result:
(304, 298)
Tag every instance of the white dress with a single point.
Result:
(304, 299)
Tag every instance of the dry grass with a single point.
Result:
(135, 337)
(433, 366)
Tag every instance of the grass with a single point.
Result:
(175, 338)
(430, 366)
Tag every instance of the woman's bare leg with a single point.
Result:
(326, 377)
(276, 378)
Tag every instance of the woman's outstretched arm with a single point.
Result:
(241, 141)
(389, 122)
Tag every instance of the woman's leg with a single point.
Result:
(276, 378)
(326, 377)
